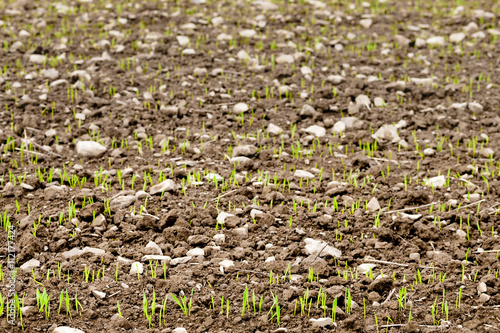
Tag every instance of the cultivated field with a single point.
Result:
(249, 166)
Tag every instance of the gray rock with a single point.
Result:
(273, 129)
(313, 247)
(335, 79)
(436, 40)
(37, 58)
(136, 267)
(487, 152)
(321, 322)
(481, 287)
(373, 205)
(155, 247)
(154, 257)
(388, 133)
(90, 149)
(180, 330)
(317, 131)
(195, 252)
(71, 253)
(98, 294)
(241, 232)
(303, 174)
(240, 107)
(181, 260)
(437, 181)
(122, 202)
(27, 266)
(67, 329)
(285, 59)
(484, 298)
(365, 268)
(457, 37)
(415, 257)
(475, 107)
(363, 100)
(366, 23)
(167, 185)
(50, 73)
(246, 150)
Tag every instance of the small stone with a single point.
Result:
(248, 33)
(181, 260)
(285, 59)
(183, 40)
(200, 72)
(365, 268)
(241, 232)
(474, 197)
(317, 131)
(437, 41)
(246, 150)
(457, 37)
(196, 252)
(167, 185)
(67, 329)
(90, 149)
(303, 174)
(98, 294)
(135, 268)
(122, 202)
(50, 73)
(240, 107)
(273, 129)
(363, 100)
(321, 322)
(155, 247)
(27, 266)
(415, 257)
(226, 263)
(481, 287)
(460, 233)
(437, 181)
(379, 102)
(484, 298)
(366, 23)
(37, 58)
(373, 205)
(335, 79)
(339, 127)
(180, 330)
(313, 247)
(475, 107)
(487, 152)
(429, 152)
(388, 133)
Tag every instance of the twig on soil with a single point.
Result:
(498, 203)
(412, 208)
(387, 160)
(397, 264)
(389, 297)
(487, 251)
(472, 204)
(32, 152)
(319, 252)
(37, 145)
(115, 294)
(224, 195)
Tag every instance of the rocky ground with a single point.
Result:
(250, 166)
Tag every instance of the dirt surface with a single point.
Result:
(215, 166)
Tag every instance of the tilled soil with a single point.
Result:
(214, 166)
